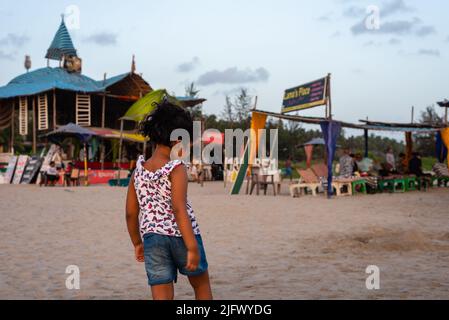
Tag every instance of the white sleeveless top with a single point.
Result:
(153, 191)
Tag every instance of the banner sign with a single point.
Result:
(306, 96)
(20, 168)
(31, 170)
(11, 168)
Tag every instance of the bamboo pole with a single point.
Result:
(103, 116)
(34, 124)
(86, 173)
(12, 125)
(120, 145)
(329, 115)
(54, 109)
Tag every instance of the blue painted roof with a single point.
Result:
(61, 45)
(109, 82)
(46, 79)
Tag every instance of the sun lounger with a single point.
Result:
(342, 186)
(308, 181)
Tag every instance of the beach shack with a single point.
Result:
(41, 100)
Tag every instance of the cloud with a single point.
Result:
(14, 40)
(429, 52)
(389, 8)
(412, 26)
(102, 39)
(398, 27)
(394, 41)
(325, 17)
(188, 66)
(233, 76)
(6, 56)
(395, 6)
(425, 31)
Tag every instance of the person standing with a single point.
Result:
(389, 157)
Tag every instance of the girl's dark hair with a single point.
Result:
(165, 118)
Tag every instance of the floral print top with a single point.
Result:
(153, 191)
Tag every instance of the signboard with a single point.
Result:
(31, 170)
(10, 169)
(20, 168)
(306, 96)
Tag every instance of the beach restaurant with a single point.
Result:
(318, 93)
(38, 102)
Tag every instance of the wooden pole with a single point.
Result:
(120, 144)
(366, 142)
(86, 173)
(34, 124)
(54, 109)
(103, 114)
(12, 124)
(329, 96)
(445, 116)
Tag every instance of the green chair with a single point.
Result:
(411, 183)
(399, 185)
(386, 184)
(358, 186)
(392, 185)
(424, 183)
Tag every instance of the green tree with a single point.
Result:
(192, 91)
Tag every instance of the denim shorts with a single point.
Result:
(165, 255)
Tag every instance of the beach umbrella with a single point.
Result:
(84, 134)
(142, 107)
(308, 149)
(315, 141)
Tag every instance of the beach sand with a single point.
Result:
(258, 247)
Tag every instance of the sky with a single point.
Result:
(384, 56)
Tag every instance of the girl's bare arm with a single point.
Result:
(179, 181)
(132, 220)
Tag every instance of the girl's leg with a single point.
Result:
(201, 286)
(163, 291)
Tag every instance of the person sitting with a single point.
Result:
(52, 174)
(346, 164)
(364, 164)
(355, 167)
(415, 167)
(442, 173)
(386, 169)
(401, 166)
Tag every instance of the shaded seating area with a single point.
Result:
(321, 177)
(308, 182)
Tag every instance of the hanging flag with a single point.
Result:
(331, 131)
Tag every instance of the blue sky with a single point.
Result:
(265, 46)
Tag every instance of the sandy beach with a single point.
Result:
(258, 247)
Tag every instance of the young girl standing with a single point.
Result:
(160, 219)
